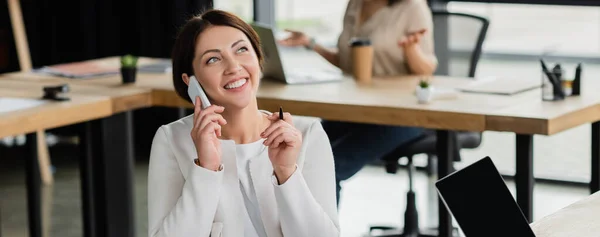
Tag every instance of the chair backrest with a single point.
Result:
(462, 36)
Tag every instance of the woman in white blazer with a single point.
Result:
(230, 169)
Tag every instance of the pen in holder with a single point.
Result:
(577, 81)
(551, 83)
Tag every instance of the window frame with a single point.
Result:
(264, 12)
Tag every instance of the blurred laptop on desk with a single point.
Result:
(294, 65)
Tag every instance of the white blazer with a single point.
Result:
(188, 200)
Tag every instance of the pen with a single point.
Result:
(577, 81)
(557, 70)
(280, 113)
(553, 80)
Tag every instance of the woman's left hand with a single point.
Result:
(411, 39)
(284, 142)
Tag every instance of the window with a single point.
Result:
(538, 29)
(317, 18)
(241, 8)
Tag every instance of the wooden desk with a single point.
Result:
(54, 114)
(579, 219)
(387, 101)
(123, 97)
(78, 109)
(390, 101)
(112, 142)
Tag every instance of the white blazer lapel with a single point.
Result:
(261, 172)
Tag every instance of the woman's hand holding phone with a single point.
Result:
(205, 134)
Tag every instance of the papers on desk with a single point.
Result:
(501, 86)
(162, 66)
(90, 69)
(79, 70)
(13, 104)
(445, 94)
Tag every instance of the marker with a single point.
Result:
(280, 113)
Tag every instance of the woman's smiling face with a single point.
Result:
(227, 67)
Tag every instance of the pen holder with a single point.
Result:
(552, 88)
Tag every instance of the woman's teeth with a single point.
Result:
(236, 84)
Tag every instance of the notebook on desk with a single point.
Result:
(86, 69)
(501, 86)
(481, 203)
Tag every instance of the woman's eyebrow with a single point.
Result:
(210, 50)
(218, 51)
(237, 42)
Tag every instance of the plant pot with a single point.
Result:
(128, 75)
(424, 95)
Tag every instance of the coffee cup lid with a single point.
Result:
(360, 42)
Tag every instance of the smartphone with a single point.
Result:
(194, 89)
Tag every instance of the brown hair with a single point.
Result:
(185, 43)
(392, 2)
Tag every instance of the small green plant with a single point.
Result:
(423, 84)
(129, 61)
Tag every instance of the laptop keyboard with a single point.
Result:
(312, 76)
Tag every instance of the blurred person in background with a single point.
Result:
(401, 34)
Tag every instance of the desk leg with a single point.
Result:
(445, 148)
(113, 174)
(595, 180)
(524, 174)
(118, 157)
(33, 182)
(86, 173)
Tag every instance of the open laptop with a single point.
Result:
(293, 65)
(481, 203)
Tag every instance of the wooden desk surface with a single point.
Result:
(388, 101)
(547, 118)
(581, 219)
(391, 101)
(123, 97)
(79, 108)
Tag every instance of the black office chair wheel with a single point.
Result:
(411, 223)
(411, 215)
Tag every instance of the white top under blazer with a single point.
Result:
(188, 200)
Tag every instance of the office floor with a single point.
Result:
(371, 197)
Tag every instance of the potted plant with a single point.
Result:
(424, 91)
(128, 68)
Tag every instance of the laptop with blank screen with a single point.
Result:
(294, 66)
(481, 202)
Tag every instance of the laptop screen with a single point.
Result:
(481, 203)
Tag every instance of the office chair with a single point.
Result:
(465, 36)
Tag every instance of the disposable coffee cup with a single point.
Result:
(362, 59)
